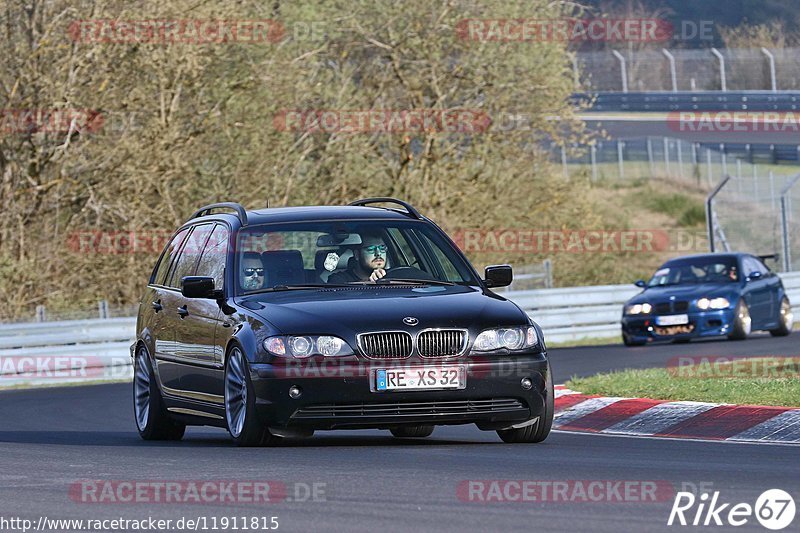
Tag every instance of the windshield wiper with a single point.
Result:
(417, 281)
(304, 286)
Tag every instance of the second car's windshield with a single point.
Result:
(696, 270)
(328, 254)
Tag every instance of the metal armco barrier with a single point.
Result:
(102, 345)
(691, 101)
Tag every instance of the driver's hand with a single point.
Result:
(377, 274)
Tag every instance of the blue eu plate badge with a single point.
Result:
(380, 380)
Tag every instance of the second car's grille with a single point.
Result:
(671, 307)
(386, 345)
(441, 343)
(662, 309)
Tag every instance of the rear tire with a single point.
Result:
(240, 412)
(152, 419)
(785, 319)
(742, 323)
(406, 432)
(540, 430)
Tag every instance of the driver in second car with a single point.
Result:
(370, 263)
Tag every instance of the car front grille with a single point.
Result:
(441, 343)
(400, 409)
(665, 308)
(386, 345)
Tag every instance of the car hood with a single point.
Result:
(684, 292)
(352, 311)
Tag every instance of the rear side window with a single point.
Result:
(212, 262)
(190, 253)
(160, 272)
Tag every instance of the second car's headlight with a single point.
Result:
(508, 338)
(302, 346)
(713, 303)
(638, 309)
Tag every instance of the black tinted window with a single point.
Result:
(160, 272)
(186, 262)
(212, 262)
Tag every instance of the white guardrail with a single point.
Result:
(98, 349)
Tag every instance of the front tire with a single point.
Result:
(240, 414)
(742, 323)
(785, 320)
(405, 432)
(540, 430)
(152, 419)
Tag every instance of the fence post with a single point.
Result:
(696, 162)
(619, 159)
(623, 70)
(548, 273)
(772, 77)
(575, 76)
(593, 155)
(672, 73)
(710, 211)
(102, 308)
(772, 189)
(787, 258)
(564, 162)
(41, 313)
(708, 166)
(680, 160)
(721, 68)
(724, 158)
(666, 157)
(650, 157)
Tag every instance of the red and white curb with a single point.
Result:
(660, 418)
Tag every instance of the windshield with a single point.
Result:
(696, 270)
(330, 254)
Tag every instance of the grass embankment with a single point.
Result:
(753, 381)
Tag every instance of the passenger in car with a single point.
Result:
(251, 271)
(368, 263)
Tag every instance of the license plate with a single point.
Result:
(672, 320)
(422, 378)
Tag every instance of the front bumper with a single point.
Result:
(701, 324)
(339, 396)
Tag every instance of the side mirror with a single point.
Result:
(640, 283)
(498, 275)
(754, 276)
(198, 287)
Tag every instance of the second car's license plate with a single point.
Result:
(420, 378)
(672, 320)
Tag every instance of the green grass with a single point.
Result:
(686, 210)
(672, 384)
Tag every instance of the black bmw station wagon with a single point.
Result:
(278, 322)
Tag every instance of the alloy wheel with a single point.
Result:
(235, 393)
(141, 389)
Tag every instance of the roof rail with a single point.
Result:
(241, 212)
(408, 207)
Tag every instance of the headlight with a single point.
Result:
(713, 303)
(302, 346)
(508, 338)
(638, 309)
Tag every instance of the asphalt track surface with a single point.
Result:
(51, 438)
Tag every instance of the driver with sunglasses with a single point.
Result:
(251, 272)
(370, 264)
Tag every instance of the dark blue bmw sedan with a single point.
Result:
(707, 295)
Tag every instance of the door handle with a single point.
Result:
(183, 311)
(157, 306)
